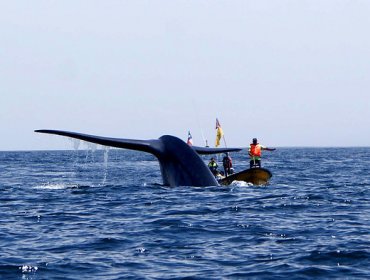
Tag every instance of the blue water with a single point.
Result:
(105, 215)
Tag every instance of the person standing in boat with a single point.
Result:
(213, 166)
(227, 164)
(255, 153)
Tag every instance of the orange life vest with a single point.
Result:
(255, 150)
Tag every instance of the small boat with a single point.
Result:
(256, 176)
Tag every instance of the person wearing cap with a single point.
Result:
(255, 153)
(213, 166)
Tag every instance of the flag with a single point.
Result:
(217, 123)
(190, 139)
(219, 133)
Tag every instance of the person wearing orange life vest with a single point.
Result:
(255, 153)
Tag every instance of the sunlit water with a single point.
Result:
(99, 215)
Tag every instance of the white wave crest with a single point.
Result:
(28, 269)
(56, 186)
(241, 184)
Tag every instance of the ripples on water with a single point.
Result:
(73, 215)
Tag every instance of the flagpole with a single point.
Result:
(223, 137)
(200, 127)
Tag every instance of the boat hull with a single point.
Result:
(255, 176)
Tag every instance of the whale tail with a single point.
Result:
(180, 163)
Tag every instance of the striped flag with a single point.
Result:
(219, 133)
(190, 139)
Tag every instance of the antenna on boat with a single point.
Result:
(200, 127)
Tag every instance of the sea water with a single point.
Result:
(98, 215)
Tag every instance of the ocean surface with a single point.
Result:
(103, 214)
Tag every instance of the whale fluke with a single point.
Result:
(180, 163)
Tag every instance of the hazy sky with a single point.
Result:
(292, 73)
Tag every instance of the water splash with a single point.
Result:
(241, 184)
(28, 269)
(75, 143)
(91, 148)
(89, 156)
(106, 157)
